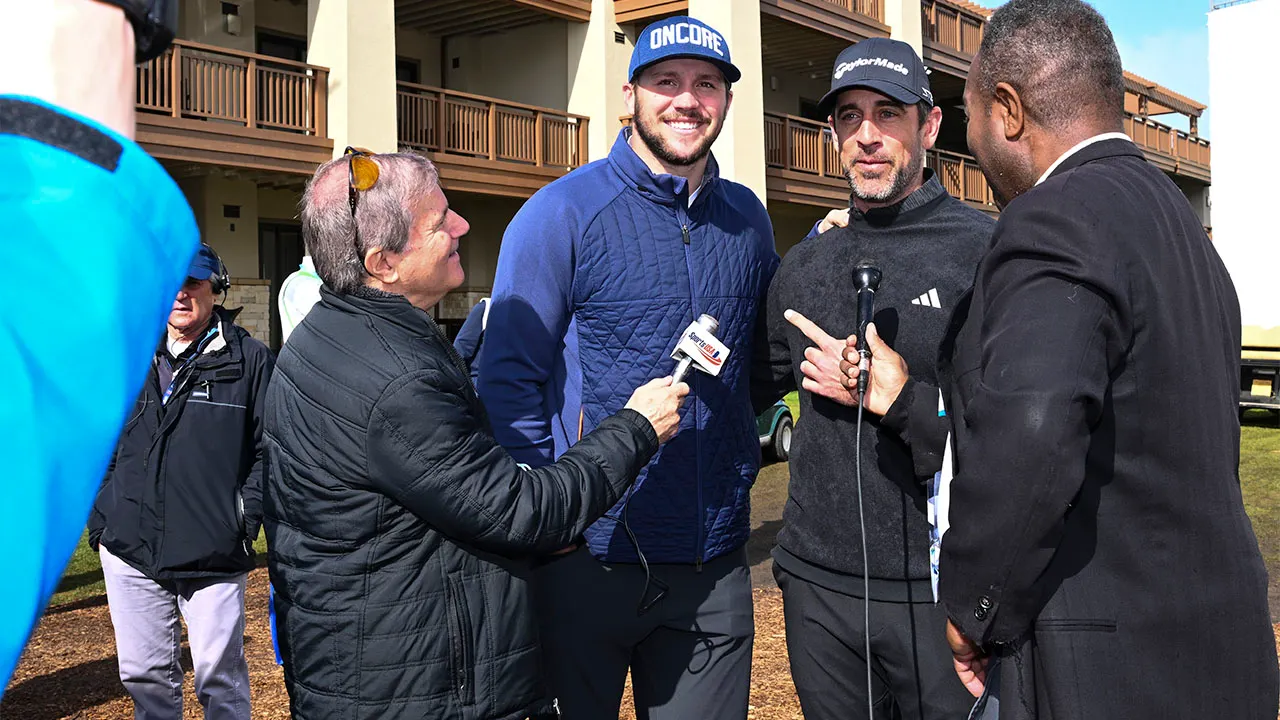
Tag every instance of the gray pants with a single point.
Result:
(690, 655)
(144, 613)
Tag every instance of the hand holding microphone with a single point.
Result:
(885, 377)
(660, 400)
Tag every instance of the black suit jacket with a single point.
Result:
(1098, 540)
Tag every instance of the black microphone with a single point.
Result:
(866, 280)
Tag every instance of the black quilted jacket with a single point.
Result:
(400, 532)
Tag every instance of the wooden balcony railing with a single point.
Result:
(1167, 140)
(455, 123)
(191, 80)
(951, 26)
(870, 8)
(805, 146)
(961, 176)
(794, 143)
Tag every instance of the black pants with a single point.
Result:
(689, 656)
(912, 674)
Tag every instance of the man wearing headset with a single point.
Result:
(80, 196)
(181, 504)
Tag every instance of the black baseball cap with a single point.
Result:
(891, 67)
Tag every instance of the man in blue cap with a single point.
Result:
(181, 504)
(599, 274)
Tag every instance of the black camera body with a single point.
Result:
(155, 24)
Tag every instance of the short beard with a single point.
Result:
(902, 178)
(662, 151)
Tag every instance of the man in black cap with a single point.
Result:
(926, 244)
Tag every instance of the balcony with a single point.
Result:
(803, 166)
(475, 17)
(952, 34)
(487, 145)
(847, 20)
(1170, 149)
(210, 105)
(646, 11)
(962, 177)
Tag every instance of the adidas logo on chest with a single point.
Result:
(929, 299)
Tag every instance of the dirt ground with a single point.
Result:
(69, 669)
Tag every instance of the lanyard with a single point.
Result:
(178, 374)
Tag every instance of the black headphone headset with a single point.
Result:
(219, 282)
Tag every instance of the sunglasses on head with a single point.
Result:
(362, 174)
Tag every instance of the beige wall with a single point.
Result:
(355, 39)
(791, 87)
(597, 67)
(791, 223)
(489, 217)
(527, 65)
(423, 47)
(278, 204)
(202, 21)
(903, 19)
(234, 239)
(739, 149)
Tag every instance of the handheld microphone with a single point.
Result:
(699, 348)
(866, 280)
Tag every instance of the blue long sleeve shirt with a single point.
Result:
(96, 242)
(599, 273)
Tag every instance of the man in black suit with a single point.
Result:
(1099, 562)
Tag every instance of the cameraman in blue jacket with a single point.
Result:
(84, 207)
(599, 274)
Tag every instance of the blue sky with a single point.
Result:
(1167, 42)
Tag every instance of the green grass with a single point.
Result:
(83, 576)
(1260, 482)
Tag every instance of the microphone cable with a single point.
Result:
(866, 582)
(642, 607)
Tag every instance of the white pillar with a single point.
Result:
(903, 19)
(740, 148)
(356, 40)
(597, 71)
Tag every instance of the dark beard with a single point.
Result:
(663, 152)
(902, 177)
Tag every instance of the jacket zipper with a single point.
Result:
(463, 674)
(683, 217)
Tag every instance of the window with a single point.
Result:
(285, 47)
(408, 70)
(809, 111)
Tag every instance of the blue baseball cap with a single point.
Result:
(682, 37)
(205, 264)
